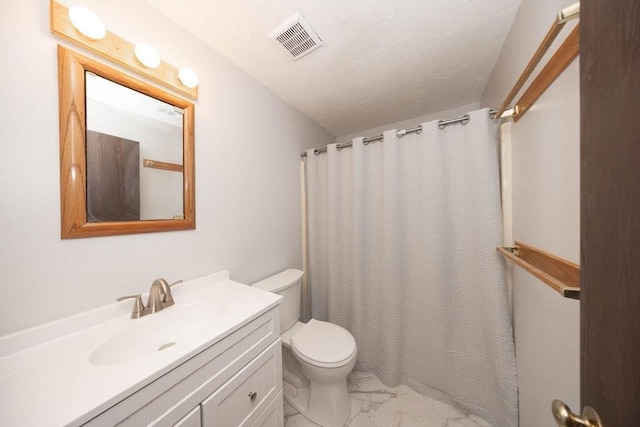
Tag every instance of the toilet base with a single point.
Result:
(331, 405)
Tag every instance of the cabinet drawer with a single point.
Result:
(245, 396)
(273, 416)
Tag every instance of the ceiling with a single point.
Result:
(381, 61)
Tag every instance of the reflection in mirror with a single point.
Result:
(125, 127)
(127, 157)
(113, 178)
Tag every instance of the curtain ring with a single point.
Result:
(465, 119)
(316, 152)
(401, 133)
(441, 124)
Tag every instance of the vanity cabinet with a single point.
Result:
(192, 419)
(273, 416)
(247, 394)
(235, 382)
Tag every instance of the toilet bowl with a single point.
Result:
(317, 356)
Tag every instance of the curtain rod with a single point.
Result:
(400, 133)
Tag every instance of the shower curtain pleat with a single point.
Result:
(401, 241)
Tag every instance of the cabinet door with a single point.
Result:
(192, 419)
(245, 396)
(273, 416)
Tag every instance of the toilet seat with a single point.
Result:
(323, 344)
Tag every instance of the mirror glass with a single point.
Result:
(126, 152)
(134, 154)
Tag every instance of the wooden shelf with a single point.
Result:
(560, 274)
(155, 164)
(565, 54)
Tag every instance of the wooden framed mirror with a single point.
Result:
(124, 145)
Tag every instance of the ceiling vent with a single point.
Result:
(296, 37)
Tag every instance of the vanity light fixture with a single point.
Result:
(188, 77)
(83, 27)
(147, 55)
(87, 22)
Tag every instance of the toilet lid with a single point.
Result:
(323, 342)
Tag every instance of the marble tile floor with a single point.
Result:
(375, 405)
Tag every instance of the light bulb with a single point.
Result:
(147, 55)
(87, 22)
(188, 77)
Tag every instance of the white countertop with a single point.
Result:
(47, 378)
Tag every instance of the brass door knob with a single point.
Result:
(565, 418)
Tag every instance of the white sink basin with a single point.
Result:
(175, 326)
(52, 366)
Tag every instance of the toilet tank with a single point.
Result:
(288, 284)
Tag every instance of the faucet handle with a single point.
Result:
(138, 306)
(177, 282)
(167, 300)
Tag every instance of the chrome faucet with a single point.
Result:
(160, 297)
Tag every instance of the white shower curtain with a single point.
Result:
(402, 239)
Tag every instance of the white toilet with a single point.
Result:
(317, 356)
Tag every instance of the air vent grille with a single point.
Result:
(296, 37)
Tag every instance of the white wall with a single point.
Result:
(546, 214)
(247, 176)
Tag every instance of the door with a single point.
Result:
(113, 178)
(610, 209)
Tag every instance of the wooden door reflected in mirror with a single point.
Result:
(113, 178)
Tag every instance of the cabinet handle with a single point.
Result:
(253, 395)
